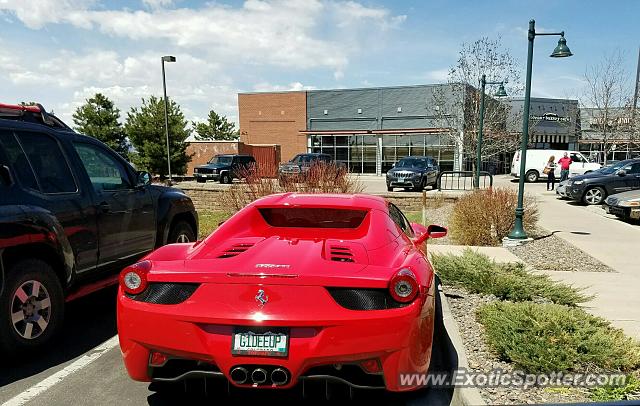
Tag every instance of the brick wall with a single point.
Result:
(274, 118)
(209, 199)
(203, 151)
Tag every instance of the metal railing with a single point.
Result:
(463, 180)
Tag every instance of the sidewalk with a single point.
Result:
(613, 242)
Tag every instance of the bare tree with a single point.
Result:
(608, 94)
(489, 57)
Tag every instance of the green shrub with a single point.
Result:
(485, 217)
(508, 281)
(630, 391)
(549, 337)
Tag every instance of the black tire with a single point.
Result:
(421, 186)
(532, 176)
(44, 322)
(225, 178)
(389, 189)
(594, 196)
(181, 232)
(201, 180)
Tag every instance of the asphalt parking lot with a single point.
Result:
(84, 366)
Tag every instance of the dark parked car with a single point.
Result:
(224, 168)
(73, 213)
(296, 168)
(594, 187)
(413, 173)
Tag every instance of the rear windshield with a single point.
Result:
(310, 217)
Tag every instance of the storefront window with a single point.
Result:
(360, 152)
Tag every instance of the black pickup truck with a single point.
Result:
(73, 213)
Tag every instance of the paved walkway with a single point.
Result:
(613, 242)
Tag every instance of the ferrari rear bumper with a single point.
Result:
(326, 341)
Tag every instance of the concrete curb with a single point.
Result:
(467, 396)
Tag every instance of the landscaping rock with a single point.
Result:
(555, 254)
(481, 358)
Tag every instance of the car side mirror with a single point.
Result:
(622, 172)
(144, 179)
(433, 231)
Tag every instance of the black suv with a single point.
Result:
(413, 172)
(73, 213)
(224, 168)
(594, 187)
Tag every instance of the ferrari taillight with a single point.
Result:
(404, 286)
(133, 279)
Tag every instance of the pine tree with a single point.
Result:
(99, 118)
(217, 127)
(145, 128)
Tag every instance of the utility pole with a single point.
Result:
(635, 94)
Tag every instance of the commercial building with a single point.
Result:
(366, 129)
(553, 123)
(621, 136)
(370, 129)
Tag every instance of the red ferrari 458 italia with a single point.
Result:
(292, 288)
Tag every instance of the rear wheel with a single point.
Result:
(532, 176)
(594, 196)
(31, 306)
(181, 232)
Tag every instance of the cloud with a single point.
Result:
(437, 75)
(219, 48)
(294, 86)
(351, 12)
(276, 32)
(156, 4)
(36, 14)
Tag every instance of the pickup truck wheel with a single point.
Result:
(31, 307)
(225, 178)
(181, 232)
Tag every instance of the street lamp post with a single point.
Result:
(164, 59)
(500, 93)
(518, 234)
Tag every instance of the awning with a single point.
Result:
(376, 132)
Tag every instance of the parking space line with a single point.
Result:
(42, 386)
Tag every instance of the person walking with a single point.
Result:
(550, 171)
(564, 162)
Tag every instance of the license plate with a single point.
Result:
(264, 342)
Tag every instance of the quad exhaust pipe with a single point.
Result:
(259, 376)
(239, 375)
(279, 376)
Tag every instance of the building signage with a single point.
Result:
(550, 117)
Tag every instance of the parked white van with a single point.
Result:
(537, 159)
